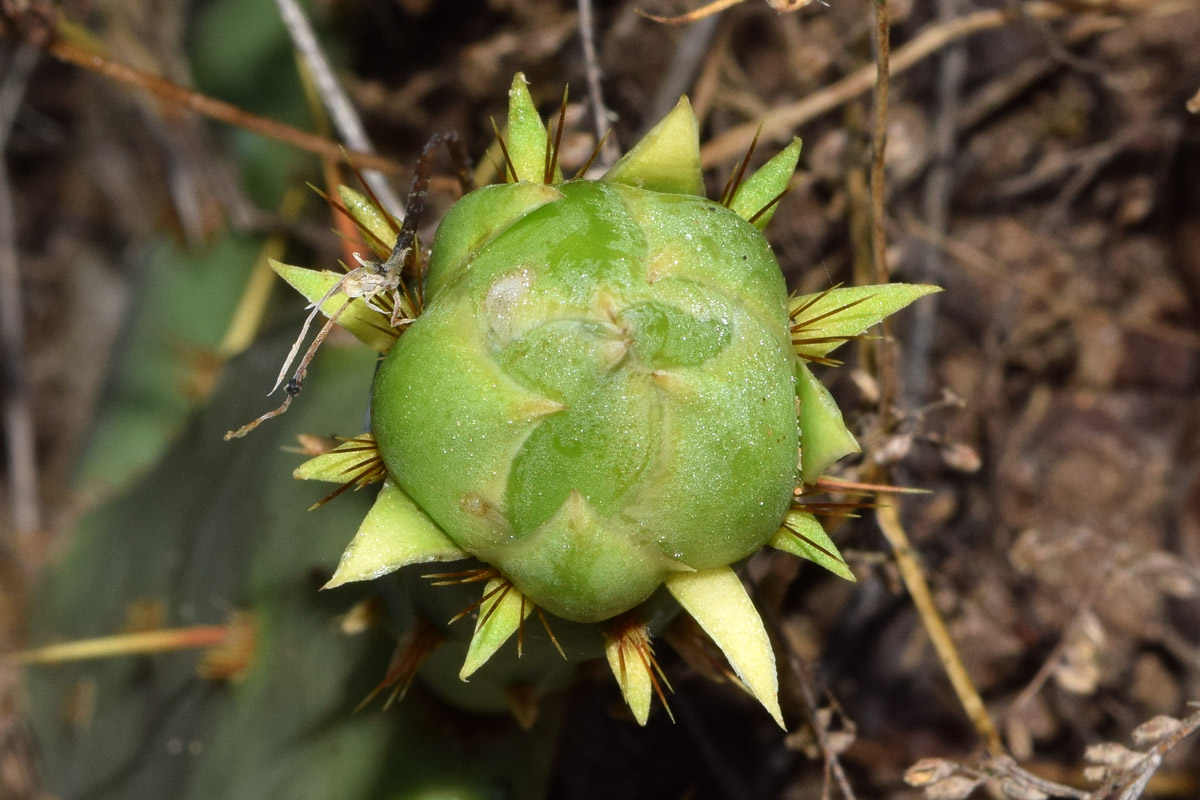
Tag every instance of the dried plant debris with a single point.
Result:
(1042, 166)
(1119, 772)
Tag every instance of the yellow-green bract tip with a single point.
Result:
(717, 601)
(765, 186)
(526, 134)
(394, 534)
(500, 614)
(803, 535)
(667, 159)
(340, 464)
(366, 213)
(847, 311)
(368, 326)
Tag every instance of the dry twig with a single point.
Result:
(601, 117)
(936, 204)
(18, 409)
(341, 110)
(883, 354)
(1123, 773)
(691, 49)
(918, 588)
(72, 53)
(833, 765)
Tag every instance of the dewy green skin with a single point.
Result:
(606, 393)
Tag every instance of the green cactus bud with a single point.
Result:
(603, 395)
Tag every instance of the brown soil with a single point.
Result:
(1045, 170)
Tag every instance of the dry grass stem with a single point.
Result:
(345, 116)
(19, 433)
(918, 588)
(68, 51)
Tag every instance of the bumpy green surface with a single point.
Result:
(604, 393)
(599, 393)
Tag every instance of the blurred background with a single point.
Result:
(1042, 164)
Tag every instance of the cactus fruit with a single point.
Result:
(598, 388)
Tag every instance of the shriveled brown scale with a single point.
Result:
(1112, 755)
(1017, 790)
(414, 646)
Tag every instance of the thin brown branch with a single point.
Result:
(19, 430)
(601, 118)
(212, 108)
(952, 68)
(704, 11)
(693, 48)
(918, 588)
(884, 354)
(808, 693)
(879, 141)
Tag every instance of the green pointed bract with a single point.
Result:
(501, 613)
(526, 135)
(368, 326)
(667, 159)
(340, 463)
(370, 217)
(765, 186)
(846, 312)
(803, 535)
(394, 534)
(824, 437)
(632, 671)
(718, 602)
